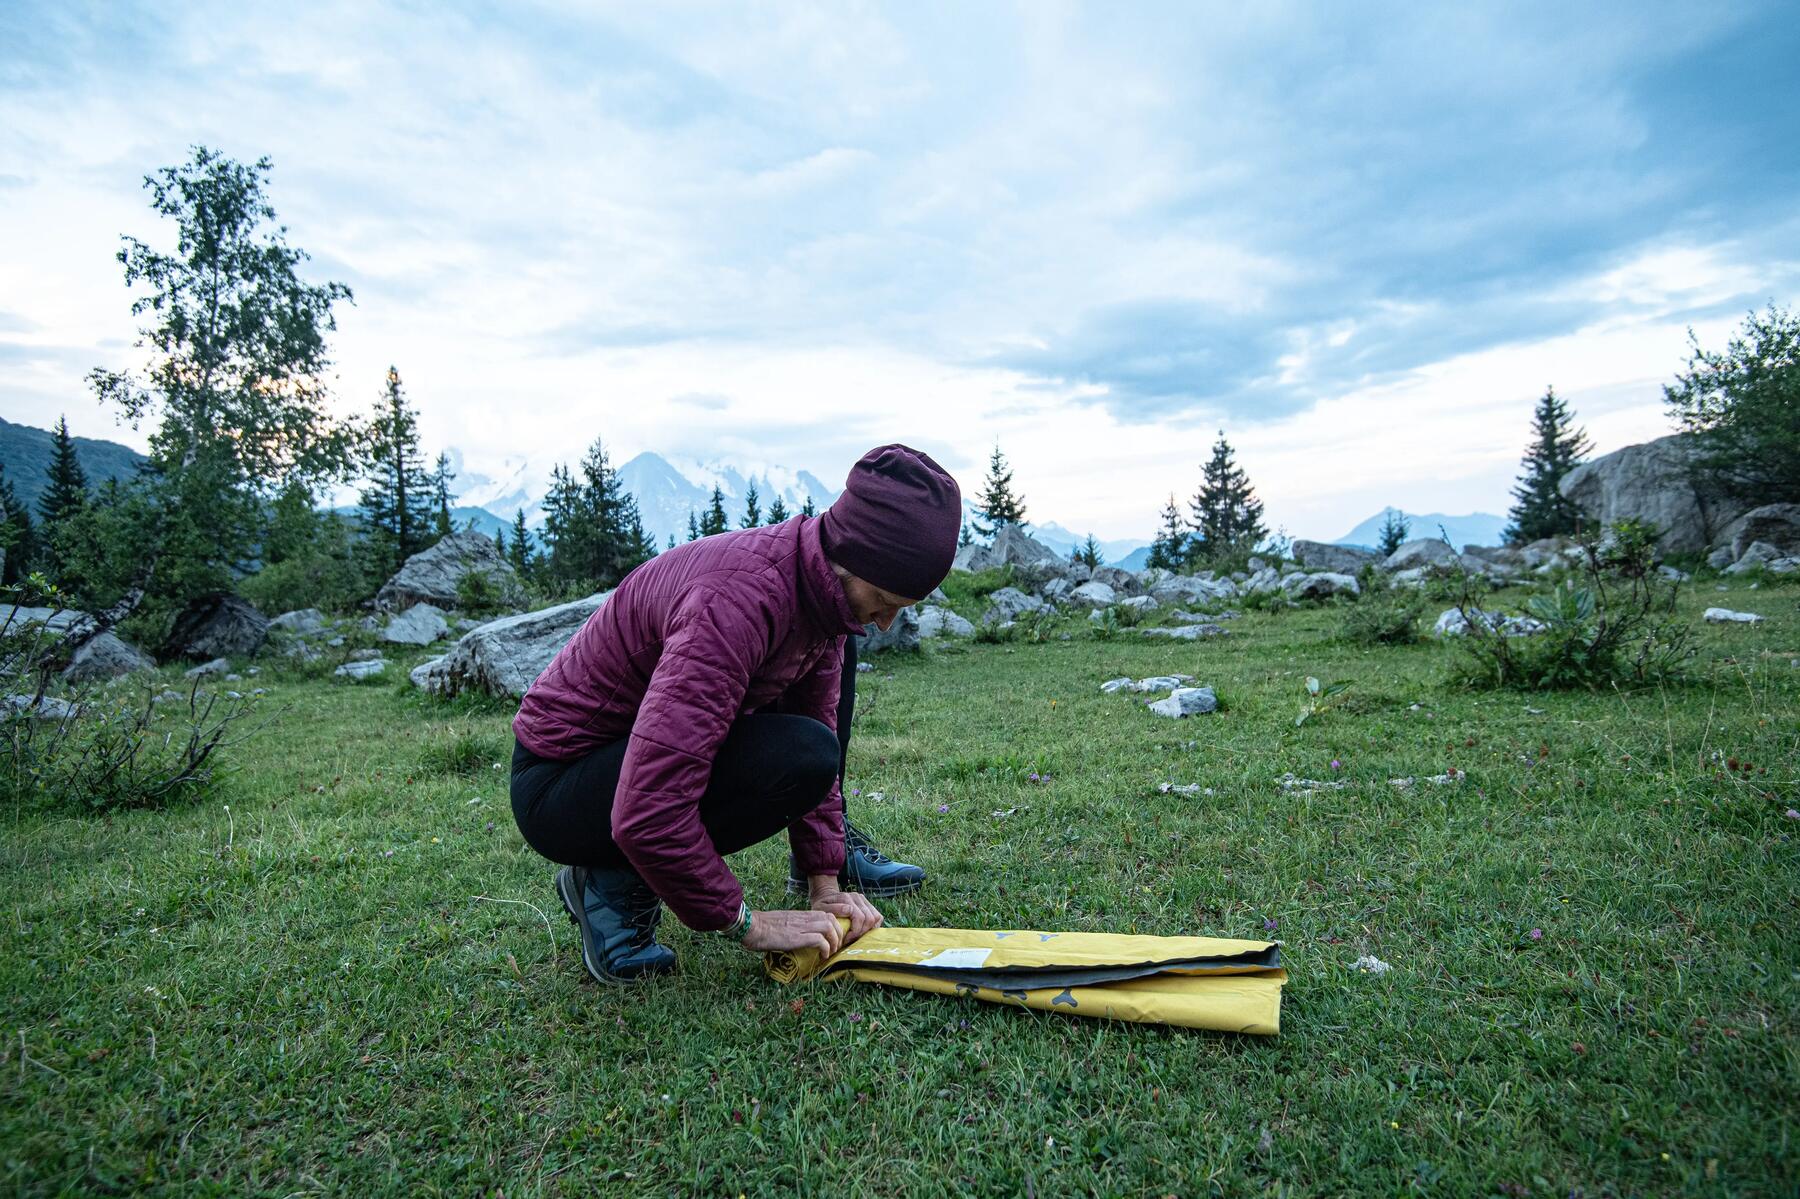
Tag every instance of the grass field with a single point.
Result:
(357, 979)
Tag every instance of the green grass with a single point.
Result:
(358, 980)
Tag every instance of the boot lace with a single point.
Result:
(858, 841)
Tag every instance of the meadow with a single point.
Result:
(343, 972)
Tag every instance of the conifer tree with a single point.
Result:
(693, 526)
(998, 505)
(1541, 509)
(594, 529)
(1226, 515)
(714, 521)
(519, 551)
(777, 511)
(1088, 554)
(1169, 551)
(396, 504)
(1394, 527)
(65, 490)
(807, 508)
(499, 539)
(440, 494)
(752, 508)
(18, 540)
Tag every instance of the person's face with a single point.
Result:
(871, 604)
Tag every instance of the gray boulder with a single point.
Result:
(1057, 591)
(902, 636)
(1720, 558)
(1320, 586)
(207, 670)
(432, 576)
(1009, 602)
(420, 624)
(942, 622)
(1179, 590)
(361, 670)
(217, 626)
(38, 707)
(504, 657)
(1186, 701)
(1655, 483)
(1451, 623)
(54, 620)
(1756, 555)
(1338, 559)
(1142, 604)
(427, 674)
(305, 620)
(1093, 595)
(106, 657)
(1774, 525)
(1013, 546)
(1187, 632)
(1123, 582)
(1263, 581)
(1425, 551)
(1727, 616)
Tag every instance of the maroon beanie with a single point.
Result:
(896, 523)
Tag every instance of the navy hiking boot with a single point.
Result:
(617, 914)
(866, 869)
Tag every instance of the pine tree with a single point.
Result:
(1226, 515)
(714, 521)
(593, 525)
(964, 537)
(499, 540)
(1088, 554)
(998, 505)
(65, 493)
(18, 540)
(777, 511)
(1394, 527)
(395, 505)
(519, 551)
(1169, 549)
(752, 508)
(440, 494)
(807, 508)
(1556, 447)
(693, 526)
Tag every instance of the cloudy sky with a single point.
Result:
(1359, 238)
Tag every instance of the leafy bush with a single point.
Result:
(478, 595)
(1383, 614)
(96, 750)
(1615, 624)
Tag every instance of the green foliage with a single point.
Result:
(518, 549)
(1169, 549)
(18, 537)
(998, 505)
(441, 474)
(963, 585)
(594, 533)
(752, 508)
(1383, 614)
(778, 512)
(396, 503)
(1319, 698)
(1744, 407)
(1394, 525)
(1226, 515)
(236, 376)
(478, 595)
(1540, 509)
(65, 485)
(807, 509)
(714, 521)
(1088, 554)
(323, 567)
(1614, 625)
(100, 551)
(464, 749)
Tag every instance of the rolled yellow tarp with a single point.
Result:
(1188, 982)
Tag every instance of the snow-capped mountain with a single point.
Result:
(1065, 542)
(1477, 528)
(667, 490)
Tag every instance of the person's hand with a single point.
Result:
(851, 905)
(794, 930)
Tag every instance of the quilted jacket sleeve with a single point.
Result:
(818, 837)
(710, 648)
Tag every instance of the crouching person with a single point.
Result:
(706, 706)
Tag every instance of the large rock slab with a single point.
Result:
(1727, 616)
(54, 620)
(902, 636)
(420, 624)
(1424, 551)
(942, 622)
(305, 620)
(1093, 594)
(1186, 701)
(1188, 632)
(1656, 483)
(1320, 586)
(505, 656)
(1337, 559)
(1009, 603)
(106, 657)
(1776, 525)
(433, 575)
(219, 625)
(1180, 590)
(1012, 545)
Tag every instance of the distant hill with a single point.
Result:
(25, 453)
(1477, 528)
(1113, 553)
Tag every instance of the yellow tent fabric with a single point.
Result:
(1189, 982)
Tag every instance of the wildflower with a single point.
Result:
(1270, 924)
(943, 807)
(387, 853)
(1791, 814)
(1336, 765)
(490, 826)
(1536, 934)
(437, 840)
(856, 1017)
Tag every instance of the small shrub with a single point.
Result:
(1614, 624)
(1319, 698)
(465, 750)
(1383, 614)
(478, 595)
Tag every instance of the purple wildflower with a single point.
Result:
(1792, 814)
(1336, 765)
(943, 807)
(1536, 934)
(1270, 924)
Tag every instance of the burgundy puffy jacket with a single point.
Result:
(691, 640)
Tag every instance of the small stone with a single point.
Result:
(1727, 616)
(361, 669)
(1188, 632)
(207, 670)
(1368, 963)
(1186, 701)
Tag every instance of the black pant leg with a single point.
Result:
(770, 770)
(846, 707)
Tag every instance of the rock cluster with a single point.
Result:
(435, 575)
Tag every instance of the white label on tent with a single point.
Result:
(958, 959)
